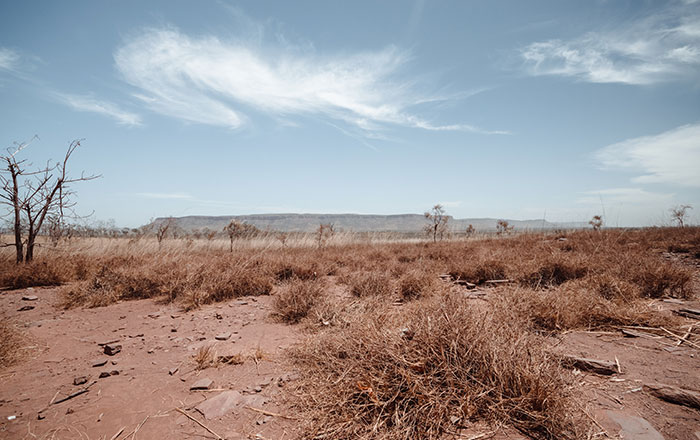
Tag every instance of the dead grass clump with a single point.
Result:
(573, 306)
(110, 285)
(11, 343)
(34, 274)
(372, 283)
(204, 358)
(480, 272)
(416, 284)
(656, 280)
(296, 299)
(554, 273)
(413, 373)
(291, 271)
(611, 287)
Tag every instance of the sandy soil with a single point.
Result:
(157, 338)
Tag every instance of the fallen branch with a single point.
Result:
(592, 365)
(673, 394)
(268, 413)
(688, 313)
(133, 433)
(76, 394)
(680, 338)
(114, 437)
(199, 423)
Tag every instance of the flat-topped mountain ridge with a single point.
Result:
(353, 222)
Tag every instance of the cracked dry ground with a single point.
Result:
(158, 338)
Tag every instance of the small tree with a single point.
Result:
(324, 233)
(35, 195)
(470, 230)
(437, 222)
(596, 222)
(503, 227)
(237, 229)
(679, 213)
(163, 228)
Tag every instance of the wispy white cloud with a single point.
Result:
(663, 47)
(632, 196)
(211, 81)
(165, 196)
(9, 59)
(90, 104)
(671, 157)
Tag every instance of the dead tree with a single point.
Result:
(596, 222)
(679, 213)
(237, 229)
(503, 227)
(163, 228)
(324, 233)
(437, 222)
(34, 195)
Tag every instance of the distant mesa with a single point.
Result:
(407, 223)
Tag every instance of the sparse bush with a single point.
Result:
(295, 300)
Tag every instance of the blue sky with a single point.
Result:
(492, 108)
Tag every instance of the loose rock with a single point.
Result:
(222, 336)
(80, 380)
(30, 298)
(112, 349)
(202, 384)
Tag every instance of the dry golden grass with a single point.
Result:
(425, 369)
(375, 370)
(294, 301)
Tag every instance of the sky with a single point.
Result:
(503, 109)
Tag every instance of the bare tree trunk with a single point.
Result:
(18, 223)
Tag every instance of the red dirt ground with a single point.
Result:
(157, 337)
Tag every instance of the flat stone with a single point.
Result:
(80, 380)
(220, 405)
(104, 374)
(99, 362)
(222, 336)
(30, 298)
(202, 384)
(112, 349)
(25, 308)
(634, 428)
(228, 401)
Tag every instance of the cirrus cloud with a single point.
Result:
(659, 48)
(210, 81)
(671, 157)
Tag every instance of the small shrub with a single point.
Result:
(296, 299)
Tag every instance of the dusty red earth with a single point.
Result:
(155, 338)
(144, 399)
